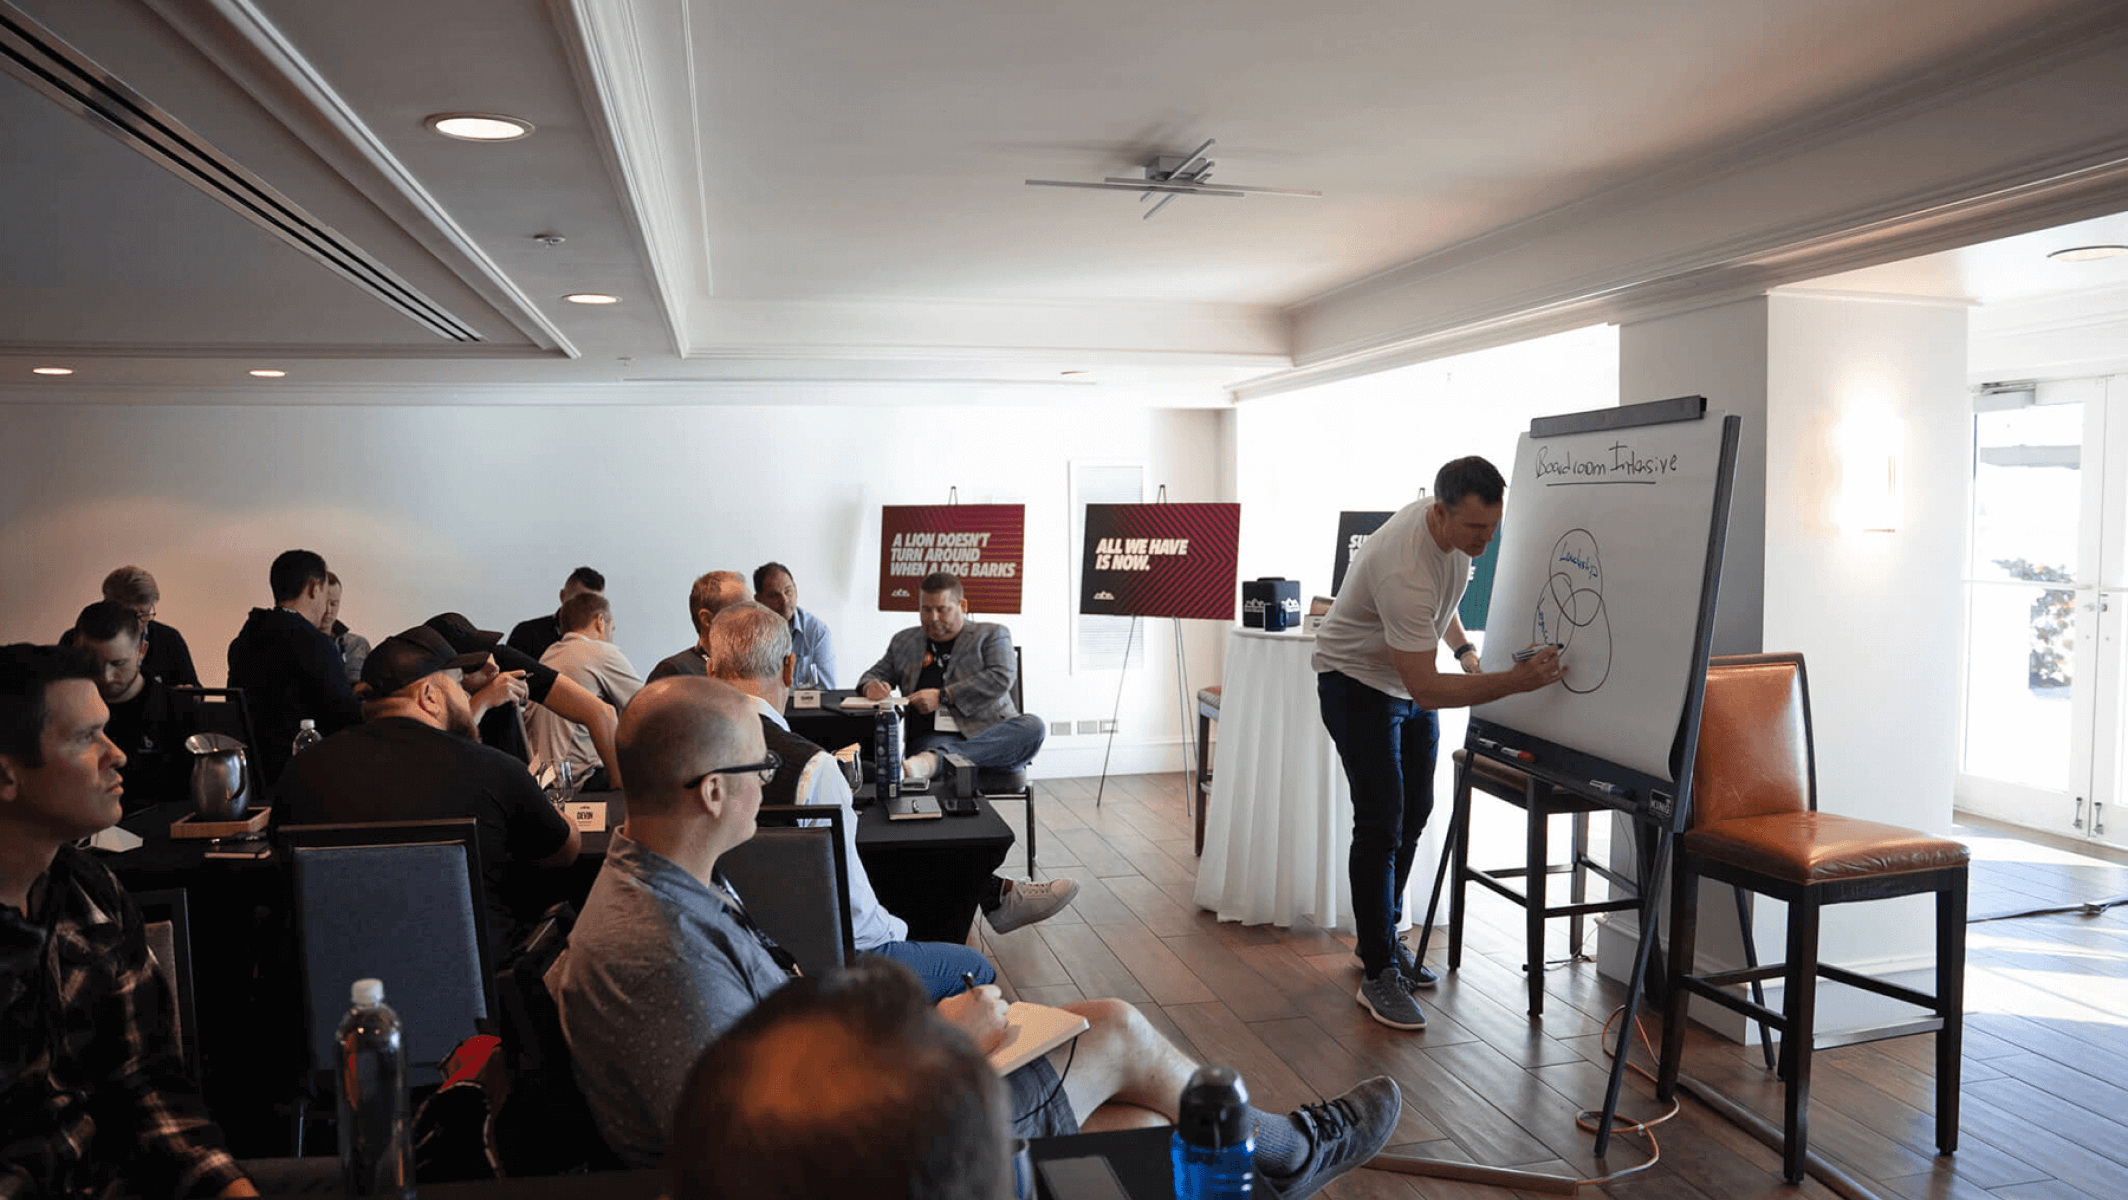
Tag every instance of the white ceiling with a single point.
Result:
(809, 196)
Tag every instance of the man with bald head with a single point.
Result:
(711, 594)
(415, 758)
(665, 959)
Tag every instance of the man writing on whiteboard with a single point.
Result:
(1376, 679)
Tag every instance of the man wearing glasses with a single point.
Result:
(665, 959)
(414, 758)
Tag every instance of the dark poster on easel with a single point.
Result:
(1353, 530)
(1161, 560)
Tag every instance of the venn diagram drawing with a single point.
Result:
(1570, 612)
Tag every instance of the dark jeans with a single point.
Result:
(1388, 747)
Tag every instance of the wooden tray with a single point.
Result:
(190, 826)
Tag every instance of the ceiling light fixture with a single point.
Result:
(267, 373)
(479, 127)
(591, 298)
(51, 370)
(1168, 176)
(2087, 253)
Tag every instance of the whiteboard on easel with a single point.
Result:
(1605, 552)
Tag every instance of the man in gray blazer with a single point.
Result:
(957, 675)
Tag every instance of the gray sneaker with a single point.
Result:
(1415, 973)
(1027, 902)
(1387, 998)
(1343, 1133)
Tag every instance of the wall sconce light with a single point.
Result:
(1869, 449)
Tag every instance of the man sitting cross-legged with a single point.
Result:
(665, 959)
(750, 649)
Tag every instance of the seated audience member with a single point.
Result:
(586, 655)
(810, 639)
(750, 649)
(148, 723)
(914, 1109)
(413, 758)
(288, 668)
(499, 690)
(710, 595)
(353, 647)
(665, 959)
(957, 675)
(93, 1098)
(532, 636)
(168, 657)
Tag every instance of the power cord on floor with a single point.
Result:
(2088, 908)
(1586, 1119)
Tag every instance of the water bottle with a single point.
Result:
(376, 1142)
(307, 735)
(1214, 1147)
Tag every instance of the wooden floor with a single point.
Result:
(2046, 1072)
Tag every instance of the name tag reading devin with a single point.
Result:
(587, 815)
(805, 698)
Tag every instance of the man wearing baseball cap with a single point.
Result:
(414, 757)
(508, 677)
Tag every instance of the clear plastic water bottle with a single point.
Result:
(376, 1119)
(1214, 1147)
(307, 735)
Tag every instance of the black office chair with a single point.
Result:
(998, 784)
(223, 711)
(401, 902)
(544, 1126)
(793, 876)
(168, 924)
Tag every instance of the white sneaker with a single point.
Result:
(1027, 902)
(920, 767)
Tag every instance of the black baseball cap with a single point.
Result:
(461, 634)
(408, 658)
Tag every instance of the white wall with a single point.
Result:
(485, 509)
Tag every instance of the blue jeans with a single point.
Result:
(1007, 745)
(1388, 747)
(939, 964)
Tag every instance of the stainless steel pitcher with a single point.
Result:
(221, 776)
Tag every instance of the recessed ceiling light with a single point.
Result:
(479, 127)
(267, 373)
(591, 298)
(51, 370)
(2087, 253)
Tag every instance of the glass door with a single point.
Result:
(2044, 662)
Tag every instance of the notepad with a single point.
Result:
(860, 704)
(1032, 1030)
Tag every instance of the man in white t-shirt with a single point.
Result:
(1374, 658)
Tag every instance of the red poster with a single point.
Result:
(984, 544)
(1161, 560)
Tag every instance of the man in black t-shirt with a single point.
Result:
(532, 637)
(414, 758)
(507, 679)
(148, 722)
(166, 656)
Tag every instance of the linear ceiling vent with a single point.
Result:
(41, 59)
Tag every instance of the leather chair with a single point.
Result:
(1755, 824)
(1207, 716)
(1539, 806)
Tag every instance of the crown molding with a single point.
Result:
(625, 393)
(246, 47)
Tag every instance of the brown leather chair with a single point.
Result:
(1539, 806)
(1755, 823)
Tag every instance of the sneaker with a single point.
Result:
(1343, 1133)
(1387, 997)
(1027, 902)
(1415, 973)
(920, 767)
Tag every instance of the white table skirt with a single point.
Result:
(1280, 823)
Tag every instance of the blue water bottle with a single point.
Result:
(1214, 1148)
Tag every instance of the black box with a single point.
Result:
(1271, 591)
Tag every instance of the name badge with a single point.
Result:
(943, 722)
(587, 815)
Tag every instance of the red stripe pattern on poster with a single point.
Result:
(1161, 560)
(984, 544)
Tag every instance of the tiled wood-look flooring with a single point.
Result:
(2046, 1072)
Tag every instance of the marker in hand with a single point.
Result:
(1530, 652)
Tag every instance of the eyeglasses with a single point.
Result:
(764, 770)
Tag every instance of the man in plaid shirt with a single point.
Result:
(91, 1089)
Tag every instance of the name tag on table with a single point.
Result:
(587, 815)
(943, 722)
(805, 698)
